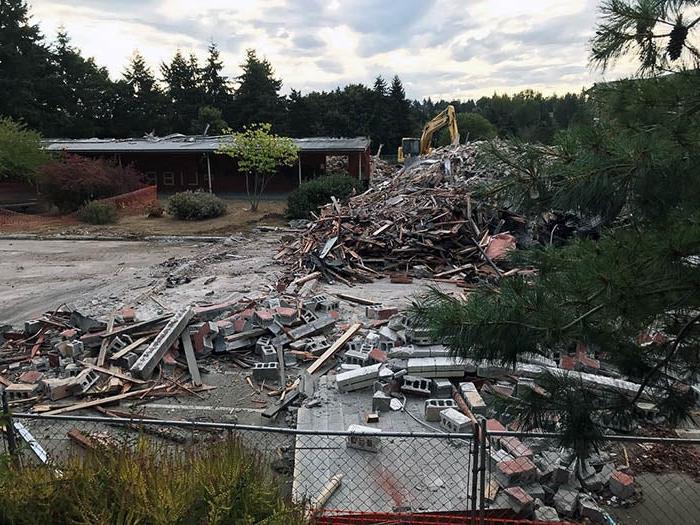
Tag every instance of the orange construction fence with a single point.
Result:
(339, 517)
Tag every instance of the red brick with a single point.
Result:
(622, 478)
(567, 362)
(31, 377)
(378, 356)
(520, 497)
(515, 447)
(239, 325)
(69, 333)
(516, 466)
(128, 314)
(494, 425)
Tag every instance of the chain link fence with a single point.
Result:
(488, 476)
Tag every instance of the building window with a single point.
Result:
(168, 178)
(191, 179)
(150, 177)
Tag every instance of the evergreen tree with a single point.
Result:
(379, 124)
(84, 93)
(399, 122)
(300, 116)
(633, 294)
(27, 78)
(215, 85)
(184, 91)
(256, 98)
(141, 106)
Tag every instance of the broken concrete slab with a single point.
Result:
(146, 363)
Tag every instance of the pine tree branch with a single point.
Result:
(582, 317)
(668, 358)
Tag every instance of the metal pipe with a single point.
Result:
(209, 173)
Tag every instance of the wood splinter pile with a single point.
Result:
(422, 222)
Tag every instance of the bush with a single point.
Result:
(70, 181)
(311, 195)
(95, 212)
(155, 210)
(217, 484)
(195, 205)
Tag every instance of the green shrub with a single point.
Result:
(311, 195)
(195, 205)
(217, 484)
(95, 212)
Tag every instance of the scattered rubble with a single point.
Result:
(420, 222)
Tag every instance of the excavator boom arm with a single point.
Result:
(446, 117)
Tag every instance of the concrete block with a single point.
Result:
(621, 484)
(415, 385)
(381, 402)
(588, 508)
(454, 421)
(367, 438)
(345, 367)
(546, 514)
(84, 381)
(127, 360)
(32, 327)
(265, 371)
(475, 402)
(225, 327)
(56, 389)
(433, 407)
(380, 312)
(268, 354)
(356, 357)
(566, 500)
(146, 363)
(535, 490)
(419, 336)
(357, 379)
(19, 391)
(441, 388)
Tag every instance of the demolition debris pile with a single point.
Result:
(421, 221)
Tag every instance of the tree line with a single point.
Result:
(54, 89)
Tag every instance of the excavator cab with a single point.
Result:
(412, 148)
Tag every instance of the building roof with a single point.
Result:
(192, 144)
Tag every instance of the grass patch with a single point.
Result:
(219, 484)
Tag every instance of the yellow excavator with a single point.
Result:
(412, 148)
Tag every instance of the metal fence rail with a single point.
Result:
(480, 477)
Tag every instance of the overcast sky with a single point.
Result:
(439, 48)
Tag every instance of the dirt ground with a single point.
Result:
(238, 218)
(97, 277)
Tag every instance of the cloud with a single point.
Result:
(439, 48)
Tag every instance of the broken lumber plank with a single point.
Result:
(112, 373)
(272, 411)
(146, 363)
(98, 402)
(106, 341)
(130, 347)
(306, 278)
(80, 439)
(37, 346)
(358, 300)
(132, 327)
(191, 359)
(453, 271)
(339, 343)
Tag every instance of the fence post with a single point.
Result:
(9, 427)
(482, 467)
(475, 474)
